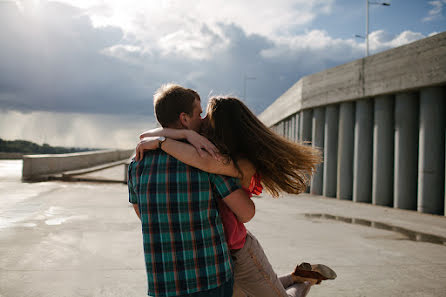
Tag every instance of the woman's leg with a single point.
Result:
(300, 289)
(293, 288)
(254, 275)
(286, 280)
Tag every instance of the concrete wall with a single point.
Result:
(39, 166)
(385, 126)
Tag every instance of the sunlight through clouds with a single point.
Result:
(96, 60)
(74, 129)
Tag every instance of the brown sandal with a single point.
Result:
(317, 271)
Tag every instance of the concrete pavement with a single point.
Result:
(83, 239)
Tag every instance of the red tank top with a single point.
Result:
(235, 232)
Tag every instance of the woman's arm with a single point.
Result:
(166, 132)
(186, 153)
(200, 142)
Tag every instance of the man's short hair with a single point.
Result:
(170, 100)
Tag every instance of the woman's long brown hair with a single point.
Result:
(282, 164)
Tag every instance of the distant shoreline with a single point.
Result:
(15, 149)
(11, 156)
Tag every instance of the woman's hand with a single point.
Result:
(146, 144)
(201, 144)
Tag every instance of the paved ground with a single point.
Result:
(83, 239)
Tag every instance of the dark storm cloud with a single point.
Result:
(55, 60)
(51, 60)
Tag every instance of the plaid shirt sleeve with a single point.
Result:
(224, 185)
(132, 194)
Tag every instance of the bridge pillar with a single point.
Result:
(285, 128)
(432, 151)
(345, 151)
(293, 128)
(297, 127)
(406, 151)
(363, 152)
(330, 150)
(305, 129)
(318, 141)
(383, 143)
(281, 128)
(305, 124)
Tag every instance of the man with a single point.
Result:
(184, 244)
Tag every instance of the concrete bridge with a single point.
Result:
(380, 122)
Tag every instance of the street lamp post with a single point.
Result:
(246, 78)
(367, 3)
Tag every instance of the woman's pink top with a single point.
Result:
(235, 232)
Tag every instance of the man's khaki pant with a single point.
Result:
(254, 276)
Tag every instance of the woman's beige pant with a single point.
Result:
(254, 276)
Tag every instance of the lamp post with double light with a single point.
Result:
(367, 3)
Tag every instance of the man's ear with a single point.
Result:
(184, 120)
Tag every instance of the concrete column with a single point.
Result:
(292, 127)
(286, 127)
(305, 124)
(432, 153)
(383, 143)
(330, 150)
(406, 151)
(345, 151)
(305, 129)
(281, 129)
(318, 141)
(298, 127)
(293, 124)
(363, 152)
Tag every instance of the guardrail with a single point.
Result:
(40, 167)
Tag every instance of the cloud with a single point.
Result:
(96, 62)
(436, 12)
(138, 17)
(57, 60)
(380, 40)
(74, 129)
(51, 60)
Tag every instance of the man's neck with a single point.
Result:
(176, 126)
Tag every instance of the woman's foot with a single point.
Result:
(318, 272)
(304, 280)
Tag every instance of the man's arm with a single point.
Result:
(135, 207)
(241, 205)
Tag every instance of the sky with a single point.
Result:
(83, 72)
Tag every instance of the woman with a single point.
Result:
(241, 146)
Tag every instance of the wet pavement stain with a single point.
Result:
(410, 234)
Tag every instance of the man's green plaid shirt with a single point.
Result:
(184, 244)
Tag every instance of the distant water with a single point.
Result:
(16, 203)
(10, 170)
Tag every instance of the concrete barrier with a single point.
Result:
(40, 167)
(10, 156)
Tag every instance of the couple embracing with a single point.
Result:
(191, 184)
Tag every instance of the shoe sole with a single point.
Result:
(317, 271)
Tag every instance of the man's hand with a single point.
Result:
(146, 144)
(201, 144)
